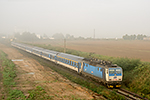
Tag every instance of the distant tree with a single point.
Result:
(45, 36)
(26, 36)
(133, 37)
(72, 37)
(140, 36)
(126, 37)
(80, 38)
(68, 36)
(89, 38)
(17, 35)
(58, 36)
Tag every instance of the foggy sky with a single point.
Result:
(109, 18)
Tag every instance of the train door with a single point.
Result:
(82, 65)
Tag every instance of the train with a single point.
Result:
(109, 74)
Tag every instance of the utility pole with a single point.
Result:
(64, 45)
(94, 34)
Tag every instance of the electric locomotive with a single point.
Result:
(103, 71)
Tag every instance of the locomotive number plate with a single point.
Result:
(115, 77)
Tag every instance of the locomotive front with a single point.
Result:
(114, 77)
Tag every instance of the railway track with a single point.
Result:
(127, 94)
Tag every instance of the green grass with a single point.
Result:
(141, 80)
(39, 94)
(9, 73)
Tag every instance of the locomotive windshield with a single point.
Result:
(114, 71)
(111, 71)
(118, 71)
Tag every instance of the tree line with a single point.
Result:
(26, 36)
(134, 37)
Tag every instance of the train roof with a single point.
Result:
(46, 51)
(100, 63)
(50, 52)
(72, 57)
(23, 45)
(65, 55)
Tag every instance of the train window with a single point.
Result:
(98, 69)
(86, 65)
(101, 69)
(76, 64)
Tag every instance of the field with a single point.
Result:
(114, 48)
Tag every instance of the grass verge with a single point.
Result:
(39, 94)
(8, 75)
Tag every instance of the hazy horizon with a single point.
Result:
(109, 18)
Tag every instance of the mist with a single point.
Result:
(109, 18)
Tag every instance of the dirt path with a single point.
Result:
(31, 74)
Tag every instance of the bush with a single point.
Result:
(126, 63)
